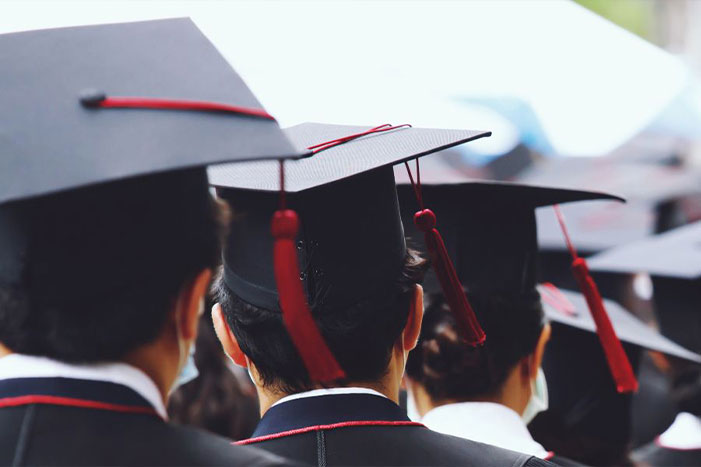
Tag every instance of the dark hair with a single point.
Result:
(449, 369)
(101, 265)
(217, 400)
(360, 336)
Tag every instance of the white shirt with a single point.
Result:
(485, 422)
(328, 392)
(684, 433)
(26, 366)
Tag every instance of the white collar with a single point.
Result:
(485, 422)
(684, 433)
(26, 366)
(328, 392)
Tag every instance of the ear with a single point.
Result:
(412, 329)
(537, 356)
(190, 304)
(227, 338)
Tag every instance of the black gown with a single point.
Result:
(65, 421)
(368, 430)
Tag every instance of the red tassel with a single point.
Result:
(453, 292)
(318, 359)
(618, 362)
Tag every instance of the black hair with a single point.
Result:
(360, 336)
(101, 266)
(449, 369)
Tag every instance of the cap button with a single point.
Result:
(92, 97)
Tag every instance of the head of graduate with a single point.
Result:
(109, 234)
(359, 279)
(112, 272)
(490, 232)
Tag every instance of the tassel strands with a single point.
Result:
(317, 357)
(425, 221)
(617, 360)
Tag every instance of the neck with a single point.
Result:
(267, 397)
(512, 395)
(152, 359)
(388, 385)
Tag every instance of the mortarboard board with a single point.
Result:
(189, 107)
(673, 260)
(595, 226)
(350, 241)
(675, 253)
(570, 309)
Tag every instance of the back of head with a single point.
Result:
(451, 370)
(583, 401)
(90, 274)
(360, 335)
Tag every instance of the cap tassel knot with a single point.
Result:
(616, 357)
(425, 221)
(296, 314)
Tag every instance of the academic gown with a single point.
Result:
(490, 423)
(50, 417)
(355, 427)
(679, 445)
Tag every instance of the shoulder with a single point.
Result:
(382, 445)
(187, 443)
(71, 436)
(484, 454)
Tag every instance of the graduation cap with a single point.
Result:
(491, 232)
(93, 104)
(673, 259)
(347, 243)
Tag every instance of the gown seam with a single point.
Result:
(24, 435)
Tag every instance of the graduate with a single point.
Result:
(109, 236)
(673, 261)
(326, 344)
(587, 419)
(490, 393)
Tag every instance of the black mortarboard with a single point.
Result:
(490, 229)
(350, 241)
(673, 259)
(189, 108)
(676, 254)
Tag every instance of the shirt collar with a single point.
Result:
(485, 422)
(313, 409)
(684, 433)
(15, 366)
(328, 392)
